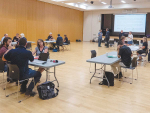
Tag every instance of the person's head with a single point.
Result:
(121, 31)
(123, 39)
(22, 42)
(58, 35)
(144, 39)
(17, 35)
(50, 34)
(107, 29)
(7, 41)
(130, 32)
(65, 35)
(40, 43)
(100, 30)
(22, 35)
(5, 35)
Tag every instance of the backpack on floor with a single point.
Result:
(46, 90)
(110, 77)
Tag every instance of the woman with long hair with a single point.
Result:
(41, 48)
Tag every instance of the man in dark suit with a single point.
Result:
(107, 37)
(121, 34)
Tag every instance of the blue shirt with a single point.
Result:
(100, 34)
(20, 57)
(59, 39)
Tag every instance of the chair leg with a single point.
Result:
(137, 73)
(18, 91)
(132, 77)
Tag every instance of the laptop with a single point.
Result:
(43, 56)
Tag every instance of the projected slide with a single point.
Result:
(134, 23)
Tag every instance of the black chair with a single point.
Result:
(116, 40)
(144, 55)
(132, 67)
(136, 42)
(61, 43)
(93, 55)
(2, 64)
(14, 75)
(29, 46)
(66, 45)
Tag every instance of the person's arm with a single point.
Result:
(34, 52)
(6, 56)
(120, 51)
(31, 58)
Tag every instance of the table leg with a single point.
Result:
(55, 76)
(46, 74)
(93, 74)
(105, 75)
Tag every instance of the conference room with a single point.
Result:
(63, 56)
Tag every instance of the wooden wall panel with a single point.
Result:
(37, 19)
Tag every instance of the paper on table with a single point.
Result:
(38, 61)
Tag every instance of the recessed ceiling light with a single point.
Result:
(103, 2)
(123, 1)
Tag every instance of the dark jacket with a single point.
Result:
(120, 35)
(59, 39)
(107, 36)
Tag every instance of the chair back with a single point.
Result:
(111, 42)
(68, 41)
(136, 42)
(2, 64)
(28, 45)
(13, 72)
(116, 40)
(60, 42)
(134, 62)
(93, 53)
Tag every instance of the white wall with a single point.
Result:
(92, 25)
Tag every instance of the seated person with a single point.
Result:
(21, 57)
(125, 54)
(130, 38)
(59, 41)
(41, 48)
(16, 38)
(144, 48)
(65, 39)
(5, 47)
(50, 37)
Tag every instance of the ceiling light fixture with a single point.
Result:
(123, 1)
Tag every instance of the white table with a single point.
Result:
(13, 43)
(50, 41)
(103, 59)
(134, 48)
(30, 42)
(47, 66)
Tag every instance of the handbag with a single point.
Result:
(46, 90)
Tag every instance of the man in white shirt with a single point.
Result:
(5, 35)
(130, 38)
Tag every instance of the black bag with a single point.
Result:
(46, 90)
(110, 77)
(149, 56)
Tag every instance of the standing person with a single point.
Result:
(121, 34)
(21, 57)
(50, 37)
(65, 39)
(5, 35)
(107, 37)
(130, 38)
(143, 48)
(16, 38)
(100, 34)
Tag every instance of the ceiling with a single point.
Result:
(85, 5)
